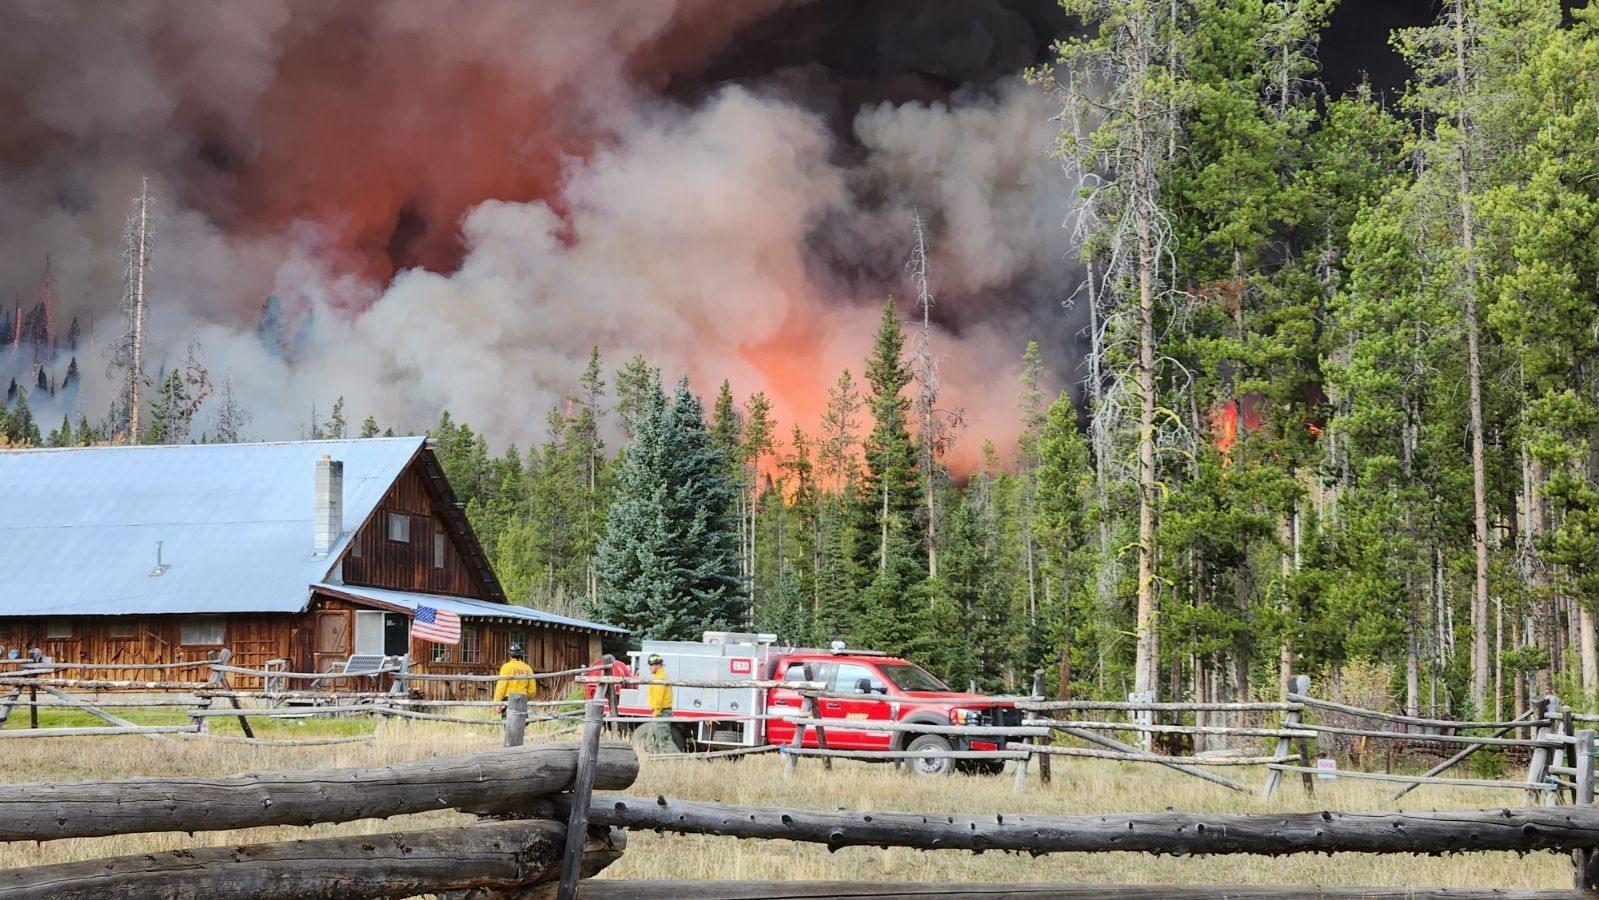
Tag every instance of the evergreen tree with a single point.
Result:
(169, 412)
(20, 429)
(885, 614)
(337, 429)
(369, 427)
(668, 563)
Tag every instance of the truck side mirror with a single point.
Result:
(863, 685)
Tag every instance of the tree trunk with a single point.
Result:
(1285, 646)
(1143, 198)
(1479, 493)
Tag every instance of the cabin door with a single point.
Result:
(332, 639)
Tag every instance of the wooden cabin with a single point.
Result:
(295, 555)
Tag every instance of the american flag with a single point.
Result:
(436, 625)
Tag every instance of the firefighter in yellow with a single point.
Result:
(516, 665)
(660, 693)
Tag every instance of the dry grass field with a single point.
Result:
(1079, 786)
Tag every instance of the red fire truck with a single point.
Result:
(861, 685)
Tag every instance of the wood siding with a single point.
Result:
(408, 565)
(254, 639)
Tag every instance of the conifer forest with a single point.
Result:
(1330, 399)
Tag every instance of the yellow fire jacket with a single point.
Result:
(660, 695)
(503, 689)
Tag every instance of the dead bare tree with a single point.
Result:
(127, 353)
(935, 427)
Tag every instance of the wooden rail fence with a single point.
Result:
(514, 851)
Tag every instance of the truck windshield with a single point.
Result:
(907, 677)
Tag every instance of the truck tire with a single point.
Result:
(917, 766)
(980, 766)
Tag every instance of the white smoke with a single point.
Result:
(729, 236)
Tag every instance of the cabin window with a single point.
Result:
(58, 630)
(201, 630)
(119, 629)
(438, 551)
(400, 528)
(440, 654)
(471, 645)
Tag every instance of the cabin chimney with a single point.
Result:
(329, 504)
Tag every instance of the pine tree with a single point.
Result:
(668, 563)
(635, 382)
(885, 615)
(20, 429)
(169, 413)
(1122, 67)
(369, 427)
(337, 429)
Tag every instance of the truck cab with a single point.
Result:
(860, 685)
(867, 686)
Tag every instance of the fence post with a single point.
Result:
(1538, 767)
(577, 826)
(1584, 876)
(219, 681)
(515, 719)
(37, 656)
(1274, 777)
(1146, 716)
(790, 760)
(1043, 758)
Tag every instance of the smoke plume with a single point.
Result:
(448, 214)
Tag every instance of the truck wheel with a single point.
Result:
(923, 766)
(980, 766)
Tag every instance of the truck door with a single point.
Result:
(867, 700)
(784, 700)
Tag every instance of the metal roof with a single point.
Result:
(464, 606)
(78, 527)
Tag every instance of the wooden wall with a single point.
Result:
(254, 638)
(408, 566)
(310, 642)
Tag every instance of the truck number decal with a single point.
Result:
(855, 715)
(739, 666)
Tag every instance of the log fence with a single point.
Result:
(1048, 728)
(548, 826)
(510, 854)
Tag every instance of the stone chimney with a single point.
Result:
(329, 519)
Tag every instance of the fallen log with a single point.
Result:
(1267, 834)
(614, 889)
(484, 856)
(490, 781)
